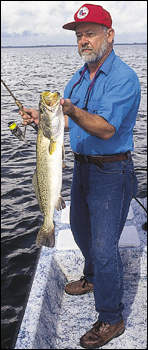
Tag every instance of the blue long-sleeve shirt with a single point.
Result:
(115, 96)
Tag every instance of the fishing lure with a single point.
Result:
(16, 131)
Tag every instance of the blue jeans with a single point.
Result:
(100, 200)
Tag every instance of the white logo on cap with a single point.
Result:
(83, 12)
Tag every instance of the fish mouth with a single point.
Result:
(50, 98)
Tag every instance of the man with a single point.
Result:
(100, 105)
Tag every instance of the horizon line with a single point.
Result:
(64, 45)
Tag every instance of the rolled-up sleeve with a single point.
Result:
(117, 101)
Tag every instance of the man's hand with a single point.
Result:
(30, 115)
(67, 106)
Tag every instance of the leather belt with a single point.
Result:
(99, 160)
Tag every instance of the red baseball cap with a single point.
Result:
(89, 13)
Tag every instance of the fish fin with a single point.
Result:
(60, 203)
(46, 237)
(35, 186)
(52, 147)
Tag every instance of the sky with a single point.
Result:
(30, 23)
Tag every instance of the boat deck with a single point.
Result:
(55, 320)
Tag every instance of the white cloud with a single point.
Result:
(41, 22)
(18, 16)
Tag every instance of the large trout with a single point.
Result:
(47, 179)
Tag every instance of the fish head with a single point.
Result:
(50, 99)
(50, 113)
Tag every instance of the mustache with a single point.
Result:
(85, 47)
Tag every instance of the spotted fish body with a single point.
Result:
(47, 179)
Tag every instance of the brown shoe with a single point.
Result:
(100, 334)
(79, 287)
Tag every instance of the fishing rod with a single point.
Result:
(12, 125)
(18, 103)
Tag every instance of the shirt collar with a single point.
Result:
(106, 66)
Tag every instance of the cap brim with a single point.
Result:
(73, 25)
(70, 26)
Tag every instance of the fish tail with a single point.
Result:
(46, 237)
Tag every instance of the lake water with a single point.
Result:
(27, 71)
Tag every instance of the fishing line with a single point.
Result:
(141, 204)
(34, 88)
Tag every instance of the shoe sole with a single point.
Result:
(99, 346)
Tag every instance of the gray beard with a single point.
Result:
(94, 57)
